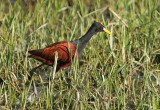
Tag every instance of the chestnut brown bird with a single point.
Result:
(66, 50)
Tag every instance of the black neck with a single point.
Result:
(81, 43)
(84, 39)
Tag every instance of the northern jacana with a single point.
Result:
(66, 50)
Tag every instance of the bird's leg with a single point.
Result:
(33, 70)
(1, 81)
(30, 77)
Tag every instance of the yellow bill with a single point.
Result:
(105, 30)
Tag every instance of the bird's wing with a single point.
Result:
(47, 55)
(38, 55)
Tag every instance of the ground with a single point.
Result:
(117, 71)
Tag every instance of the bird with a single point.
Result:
(66, 51)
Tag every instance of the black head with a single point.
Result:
(81, 43)
(98, 27)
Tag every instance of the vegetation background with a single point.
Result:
(120, 71)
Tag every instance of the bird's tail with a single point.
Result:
(35, 52)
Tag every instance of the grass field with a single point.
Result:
(120, 71)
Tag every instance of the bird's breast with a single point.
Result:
(72, 51)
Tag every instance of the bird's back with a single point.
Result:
(65, 52)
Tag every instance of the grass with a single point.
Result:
(120, 71)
